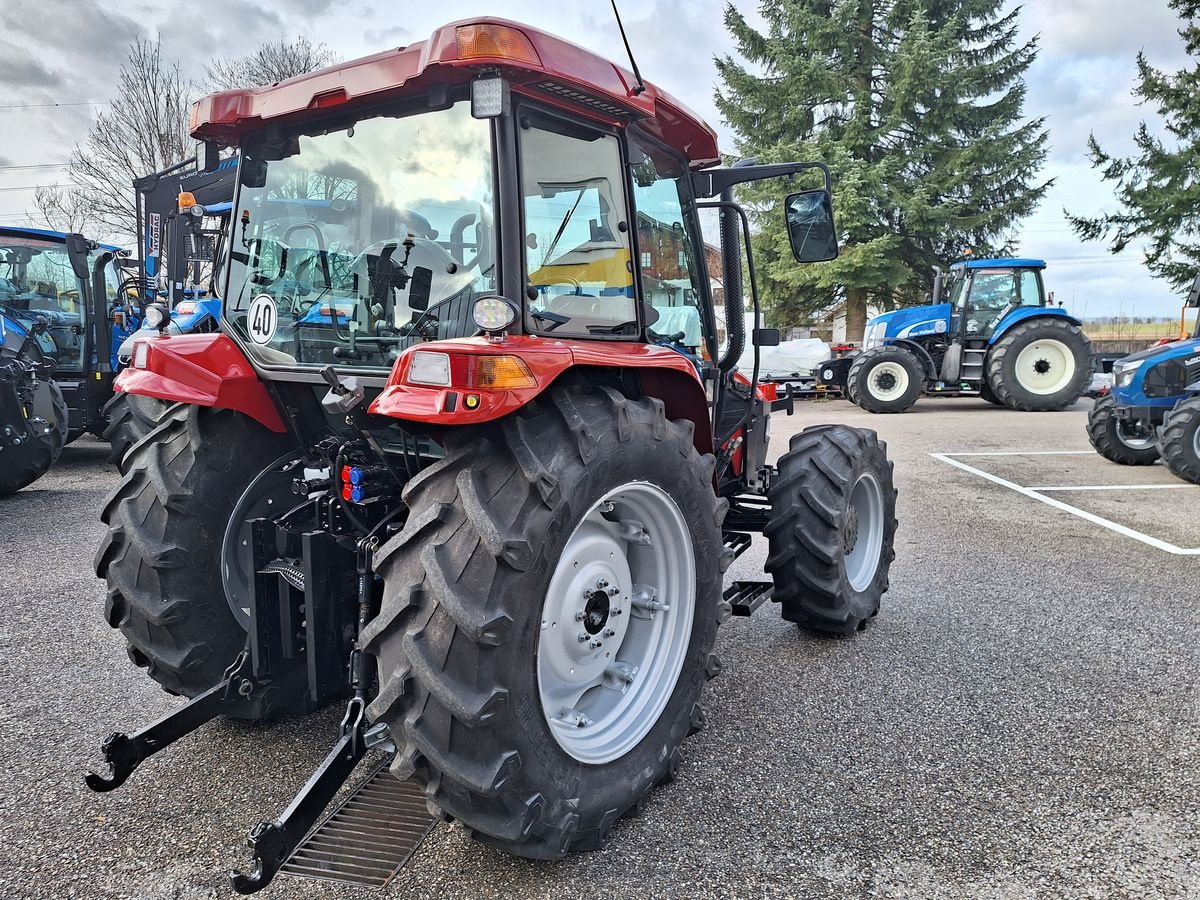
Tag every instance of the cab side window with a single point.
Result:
(577, 242)
(670, 270)
(1031, 295)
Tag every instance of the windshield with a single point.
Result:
(36, 279)
(363, 241)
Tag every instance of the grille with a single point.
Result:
(584, 99)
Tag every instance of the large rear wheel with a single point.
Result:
(548, 618)
(1118, 440)
(832, 529)
(130, 418)
(161, 556)
(1040, 365)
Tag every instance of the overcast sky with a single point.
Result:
(68, 51)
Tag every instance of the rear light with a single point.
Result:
(469, 371)
(186, 308)
(489, 40)
(335, 97)
(141, 353)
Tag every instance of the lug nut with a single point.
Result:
(608, 632)
(602, 583)
(596, 644)
(584, 637)
(579, 615)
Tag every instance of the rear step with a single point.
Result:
(747, 596)
(736, 541)
(368, 837)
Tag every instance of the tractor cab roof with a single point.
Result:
(44, 235)
(1000, 264)
(535, 63)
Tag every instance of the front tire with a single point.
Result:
(1108, 436)
(475, 615)
(1179, 439)
(1040, 365)
(886, 379)
(831, 534)
(25, 463)
(161, 556)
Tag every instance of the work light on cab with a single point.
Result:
(493, 314)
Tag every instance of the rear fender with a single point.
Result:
(1017, 316)
(203, 370)
(663, 373)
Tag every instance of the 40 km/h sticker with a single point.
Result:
(262, 319)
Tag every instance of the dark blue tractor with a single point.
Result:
(33, 414)
(995, 336)
(66, 286)
(1153, 409)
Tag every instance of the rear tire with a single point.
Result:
(161, 557)
(1040, 365)
(1179, 439)
(22, 465)
(832, 529)
(1107, 434)
(985, 393)
(468, 622)
(130, 418)
(886, 379)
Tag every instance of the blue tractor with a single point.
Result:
(65, 287)
(995, 336)
(1153, 409)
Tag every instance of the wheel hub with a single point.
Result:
(1042, 366)
(616, 623)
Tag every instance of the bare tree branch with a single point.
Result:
(273, 61)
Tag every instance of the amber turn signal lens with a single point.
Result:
(499, 373)
(488, 40)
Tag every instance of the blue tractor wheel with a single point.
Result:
(886, 379)
(1040, 365)
(1179, 439)
(1117, 440)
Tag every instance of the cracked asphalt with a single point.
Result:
(1022, 720)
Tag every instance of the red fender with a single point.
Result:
(664, 374)
(200, 369)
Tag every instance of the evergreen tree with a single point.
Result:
(916, 106)
(1158, 187)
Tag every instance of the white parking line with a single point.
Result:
(1026, 453)
(1058, 504)
(1114, 487)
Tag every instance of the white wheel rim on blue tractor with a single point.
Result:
(887, 381)
(1045, 367)
(616, 623)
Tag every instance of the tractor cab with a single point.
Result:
(69, 284)
(982, 292)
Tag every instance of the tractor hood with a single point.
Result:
(1170, 349)
(913, 321)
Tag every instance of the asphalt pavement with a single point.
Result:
(1021, 720)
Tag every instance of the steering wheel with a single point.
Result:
(564, 279)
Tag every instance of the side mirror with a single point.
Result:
(1193, 297)
(78, 248)
(210, 156)
(810, 226)
(420, 288)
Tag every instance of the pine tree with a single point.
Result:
(1158, 188)
(916, 106)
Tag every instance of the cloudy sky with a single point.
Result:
(57, 58)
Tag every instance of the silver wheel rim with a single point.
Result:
(862, 533)
(887, 381)
(1045, 367)
(1196, 442)
(616, 623)
(1132, 441)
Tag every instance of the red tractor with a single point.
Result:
(466, 453)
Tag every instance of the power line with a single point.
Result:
(61, 165)
(55, 105)
(32, 187)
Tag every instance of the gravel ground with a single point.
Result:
(1021, 720)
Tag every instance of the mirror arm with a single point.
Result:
(711, 182)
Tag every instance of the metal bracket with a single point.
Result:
(273, 842)
(124, 752)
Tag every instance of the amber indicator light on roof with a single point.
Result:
(488, 40)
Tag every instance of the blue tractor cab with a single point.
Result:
(1153, 408)
(990, 332)
(66, 286)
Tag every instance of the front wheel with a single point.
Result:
(886, 379)
(1117, 440)
(832, 528)
(548, 618)
(1179, 439)
(1040, 365)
